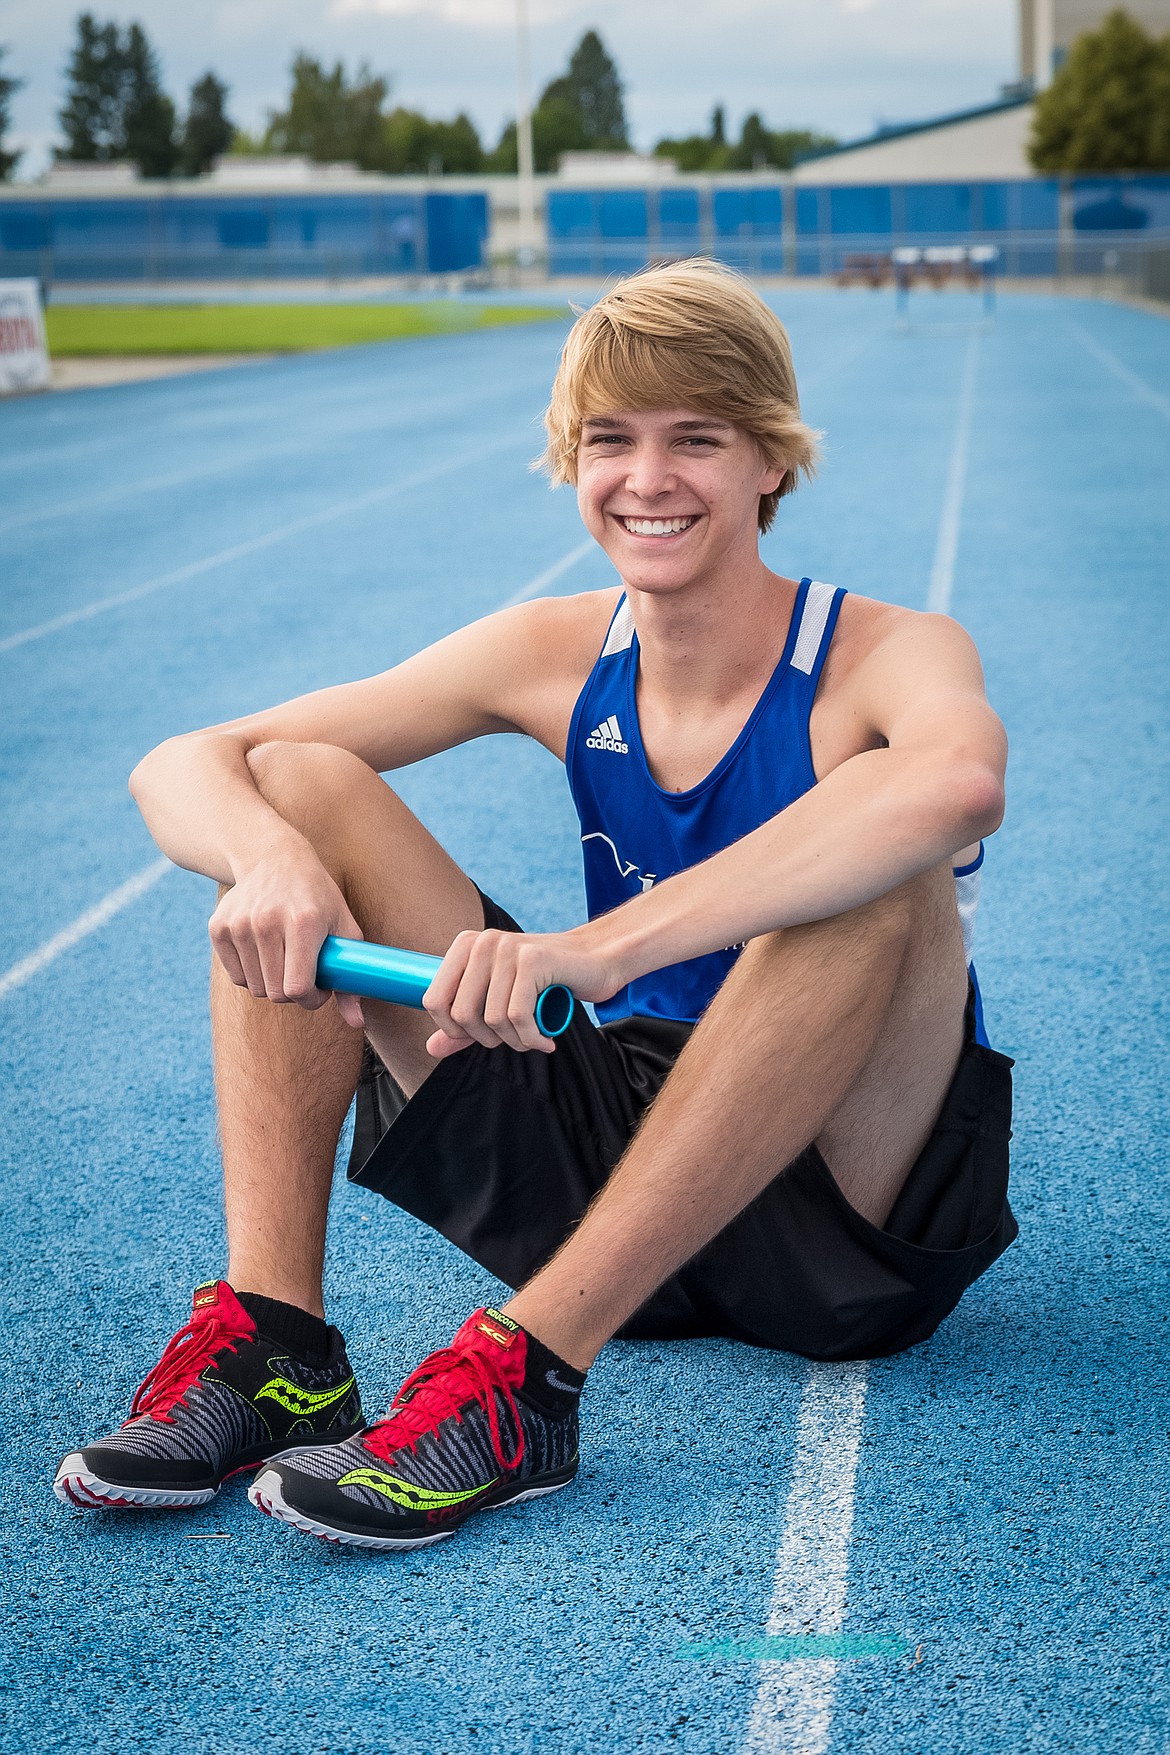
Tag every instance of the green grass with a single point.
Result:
(131, 329)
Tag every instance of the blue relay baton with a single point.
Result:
(351, 965)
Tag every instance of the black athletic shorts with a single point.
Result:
(502, 1152)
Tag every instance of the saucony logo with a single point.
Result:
(407, 1494)
(295, 1400)
(500, 1329)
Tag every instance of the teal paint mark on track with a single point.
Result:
(813, 1645)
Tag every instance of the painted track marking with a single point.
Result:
(363, 424)
(86, 923)
(1122, 371)
(793, 1708)
(845, 357)
(137, 886)
(255, 544)
(195, 569)
(535, 586)
(946, 547)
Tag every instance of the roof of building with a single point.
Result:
(902, 130)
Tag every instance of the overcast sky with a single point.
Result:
(841, 66)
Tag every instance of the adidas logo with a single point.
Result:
(608, 736)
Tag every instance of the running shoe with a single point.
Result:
(483, 1423)
(221, 1399)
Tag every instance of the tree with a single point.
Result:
(92, 115)
(330, 119)
(407, 144)
(755, 144)
(458, 145)
(207, 131)
(700, 152)
(148, 113)
(581, 111)
(115, 107)
(412, 142)
(592, 87)
(1108, 108)
(758, 146)
(791, 146)
(8, 87)
(694, 152)
(556, 127)
(776, 148)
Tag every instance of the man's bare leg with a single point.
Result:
(845, 1032)
(285, 1076)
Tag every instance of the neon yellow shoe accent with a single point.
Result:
(295, 1400)
(407, 1494)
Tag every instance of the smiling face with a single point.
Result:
(671, 495)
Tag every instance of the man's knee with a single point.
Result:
(885, 925)
(921, 905)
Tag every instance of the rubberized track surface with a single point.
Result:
(960, 1550)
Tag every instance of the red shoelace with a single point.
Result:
(210, 1331)
(443, 1384)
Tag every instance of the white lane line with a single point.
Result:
(839, 361)
(535, 586)
(793, 1709)
(194, 569)
(81, 928)
(110, 496)
(145, 879)
(362, 424)
(946, 547)
(1122, 371)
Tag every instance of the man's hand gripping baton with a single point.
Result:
(351, 965)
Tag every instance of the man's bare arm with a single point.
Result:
(197, 793)
(511, 672)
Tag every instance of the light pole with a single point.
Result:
(1044, 14)
(525, 161)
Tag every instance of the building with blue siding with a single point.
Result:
(765, 223)
(160, 232)
(1040, 225)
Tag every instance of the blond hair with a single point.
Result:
(686, 335)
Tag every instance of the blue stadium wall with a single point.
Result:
(1041, 225)
(220, 237)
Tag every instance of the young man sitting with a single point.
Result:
(787, 1126)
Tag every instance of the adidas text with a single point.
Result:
(608, 736)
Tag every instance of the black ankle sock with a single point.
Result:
(549, 1380)
(303, 1334)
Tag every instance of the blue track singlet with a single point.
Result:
(634, 833)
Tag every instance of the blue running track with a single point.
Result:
(957, 1551)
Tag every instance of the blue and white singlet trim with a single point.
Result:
(634, 833)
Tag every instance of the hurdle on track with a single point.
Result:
(938, 267)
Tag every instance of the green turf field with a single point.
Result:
(132, 329)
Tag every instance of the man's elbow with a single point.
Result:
(144, 778)
(972, 794)
(140, 776)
